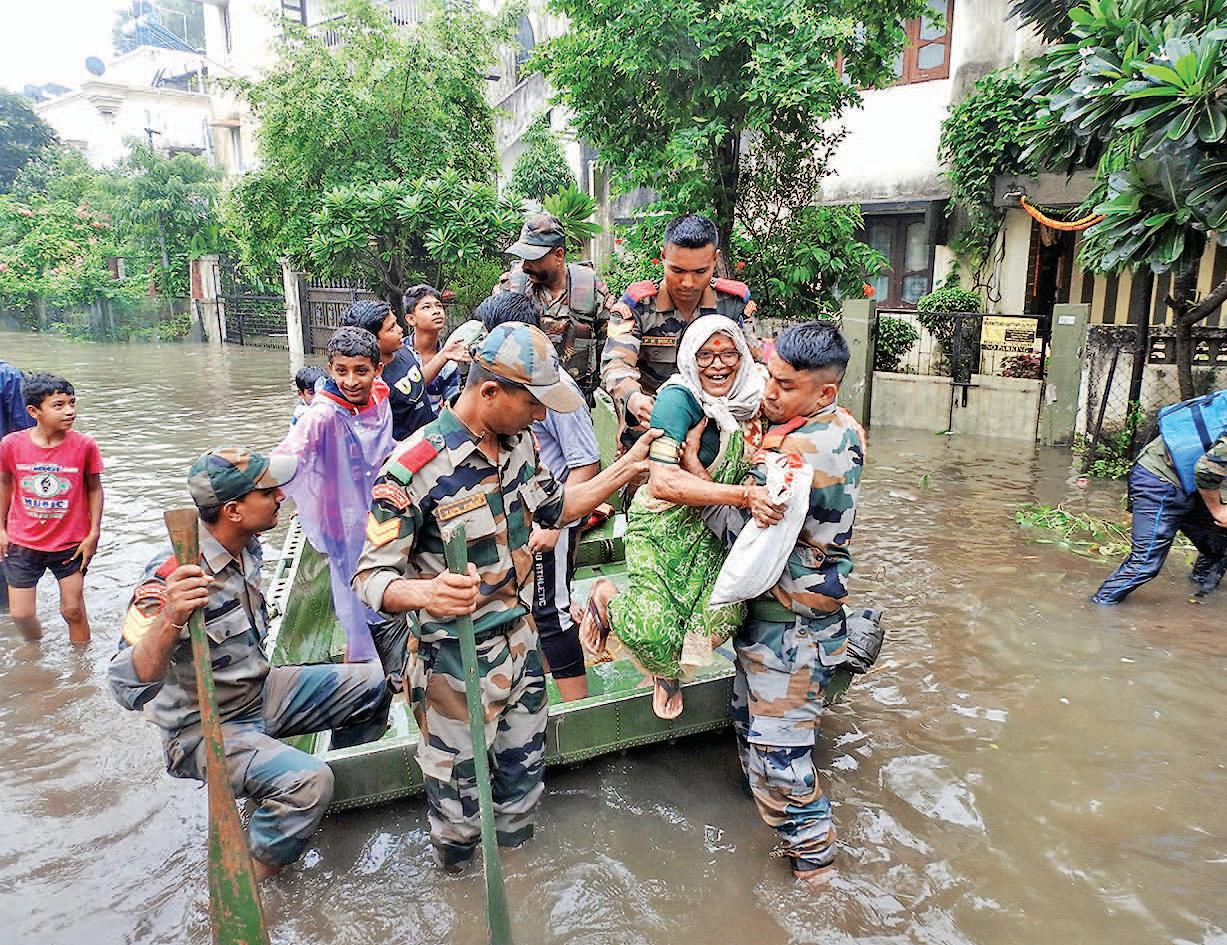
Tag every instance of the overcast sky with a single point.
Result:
(47, 40)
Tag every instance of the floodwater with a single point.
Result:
(1021, 767)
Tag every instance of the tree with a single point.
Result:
(381, 108)
(162, 203)
(23, 135)
(542, 169)
(1138, 90)
(672, 94)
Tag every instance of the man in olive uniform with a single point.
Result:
(646, 325)
(477, 466)
(239, 494)
(571, 298)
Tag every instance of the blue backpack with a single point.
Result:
(1189, 429)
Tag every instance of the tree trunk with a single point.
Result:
(728, 173)
(1181, 303)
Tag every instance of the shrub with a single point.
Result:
(895, 338)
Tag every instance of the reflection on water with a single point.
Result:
(1020, 767)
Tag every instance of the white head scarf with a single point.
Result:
(742, 400)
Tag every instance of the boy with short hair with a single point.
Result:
(340, 443)
(50, 506)
(304, 383)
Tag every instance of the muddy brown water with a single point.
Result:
(1021, 768)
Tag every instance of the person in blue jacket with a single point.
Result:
(1177, 485)
(13, 417)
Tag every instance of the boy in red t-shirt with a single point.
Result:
(50, 506)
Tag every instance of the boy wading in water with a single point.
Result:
(51, 500)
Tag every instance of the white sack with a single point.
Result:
(758, 556)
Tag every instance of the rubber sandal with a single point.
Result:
(668, 688)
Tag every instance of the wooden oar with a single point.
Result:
(234, 898)
(456, 553)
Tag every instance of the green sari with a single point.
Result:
(672, 562)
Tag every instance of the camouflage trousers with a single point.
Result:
(514, 699)
(291, 788)
(782, 670)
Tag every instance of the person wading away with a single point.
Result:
(796, 635)
(238, 494)
(477, 466)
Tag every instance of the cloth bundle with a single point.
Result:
(760, 553)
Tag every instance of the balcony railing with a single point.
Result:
(400, 12)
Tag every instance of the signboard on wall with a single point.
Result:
(1005, 333)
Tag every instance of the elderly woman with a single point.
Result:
(672, 558)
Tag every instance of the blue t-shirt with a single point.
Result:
(446, 385)
(566, 441)
(409, 398)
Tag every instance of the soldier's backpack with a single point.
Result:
(1189, 429)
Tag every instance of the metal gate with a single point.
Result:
(325, 304)
(967, 372)
(253, 307)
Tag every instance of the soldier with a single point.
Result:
(796, 635)
(572, 299)
(644, 327)
(477, 465)
(238, 494)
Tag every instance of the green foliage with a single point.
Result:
(724, 107)
(1112, 457)
(1050, 18)
(574, 210)
(384, 107)
(984, 137)
(23, 136)
(409, 231)
(542, 169)
(636, 254)
(165, 208)
(470, 283)
(933, 311)
(1146, 81)
(895, 338)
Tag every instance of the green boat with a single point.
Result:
(616, 715)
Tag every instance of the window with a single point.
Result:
(927, 54)
(904, 240)
(525, 42)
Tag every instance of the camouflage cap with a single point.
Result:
(230, 472)
(523, 354)
(541, 233)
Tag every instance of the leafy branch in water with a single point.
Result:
(1083, 534)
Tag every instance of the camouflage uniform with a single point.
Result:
(575, 321)
(258, 704)
(644, 328)
(796, 637)
(440, 477)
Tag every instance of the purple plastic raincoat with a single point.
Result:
(340, 449)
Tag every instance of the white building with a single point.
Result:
(149, 93)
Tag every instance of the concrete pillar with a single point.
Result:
(1063, 379)
(206, 301)
(295, 311)
(860, 328)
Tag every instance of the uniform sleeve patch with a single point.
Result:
(380, 533)
(638, 291)
(733, 287)
(392, 494)
(418, 455)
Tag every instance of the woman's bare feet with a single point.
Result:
(594, 629)
(667, 698)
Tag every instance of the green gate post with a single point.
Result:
(860, 323)
(1063, 377)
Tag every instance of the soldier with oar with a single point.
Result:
(238, 494)
(477, 466)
